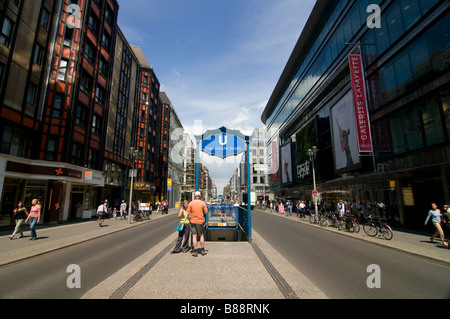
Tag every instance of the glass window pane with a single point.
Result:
(445, 100)
(410, 12)
(432, 123)
(402, 72)
(426, 5)
(413, 128)
(420, 62)
(394, 23)
(388, 82)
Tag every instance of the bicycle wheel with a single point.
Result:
(370, 229)
(349, 226)
(323, 222)
(356, 227)
(387, 233)
(312, 218)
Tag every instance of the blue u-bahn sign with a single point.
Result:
(223, 142)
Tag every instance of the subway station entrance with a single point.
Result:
(224, 221)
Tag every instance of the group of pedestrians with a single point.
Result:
(192, 220)
(21, 217)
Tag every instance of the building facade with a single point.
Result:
(259, 168)
(75, 98)
(177, 151)
(406, 76)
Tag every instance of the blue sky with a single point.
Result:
(217, 60)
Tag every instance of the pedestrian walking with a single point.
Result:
(34, 217)
(341, 208)
(197, 210)
(435, 215)
(20, 215)
(289, 208)
(184, 230)
(102, 210)
(302, 207)
(123, 209)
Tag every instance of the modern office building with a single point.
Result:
(148, 125)
(176, 157)
(259, 168)
(188, 187)
(121, 131)
(392, 146)
(56, 80)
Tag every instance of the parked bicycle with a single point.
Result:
(313, 219)
(140, 216)
(372, 228)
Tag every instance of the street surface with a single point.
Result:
(45, 276)
(337, 264)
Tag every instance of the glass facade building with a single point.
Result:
(407, 64)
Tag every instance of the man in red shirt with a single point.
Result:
(196, 214)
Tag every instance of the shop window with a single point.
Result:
(36, 190)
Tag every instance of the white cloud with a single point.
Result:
(229, 86)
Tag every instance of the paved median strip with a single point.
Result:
(282, 284)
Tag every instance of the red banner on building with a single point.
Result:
(360, 101)
(275, 162)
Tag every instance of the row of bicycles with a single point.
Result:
(351, 224)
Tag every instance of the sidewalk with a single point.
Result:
(412, 242)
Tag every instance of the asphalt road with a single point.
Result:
(45, 277)
(338, 265)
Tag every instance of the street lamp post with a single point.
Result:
(133, 153)
(312, 153)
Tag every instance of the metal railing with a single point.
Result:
(225, 216)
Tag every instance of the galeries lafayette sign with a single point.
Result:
(360, 102)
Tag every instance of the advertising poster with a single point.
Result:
(306, 139)
(345, 136)
(286, 164)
